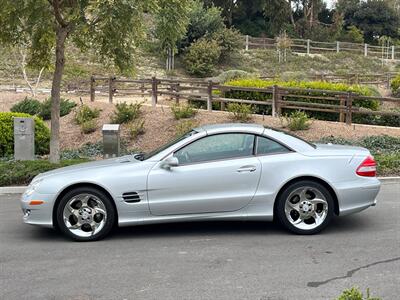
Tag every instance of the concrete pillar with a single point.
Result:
(24, 139)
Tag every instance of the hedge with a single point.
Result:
(42, 134)
(22, 172)
(316, 85)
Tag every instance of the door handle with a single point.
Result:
(247, 169)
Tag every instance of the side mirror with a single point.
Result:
(169, 163)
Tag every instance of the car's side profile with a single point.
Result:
(214, 172)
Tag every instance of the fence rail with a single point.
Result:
(350, 78)
(210, 92)
(311, 47)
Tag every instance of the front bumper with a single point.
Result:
(357, 195)
(42, 214)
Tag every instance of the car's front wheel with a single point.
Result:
(305, 207)
(85, 214)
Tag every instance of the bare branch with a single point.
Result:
(57, 13)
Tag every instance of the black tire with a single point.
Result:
(280, 206)
(109, 207)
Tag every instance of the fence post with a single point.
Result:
(110, 89)
(92, 89)
(154, 91)
(342, 113)
(274, 94)
(392, 52)
(209, 95)
(177, 88)
(308, 47)
(337, 47)
(349, 104)
(247, 43)
(388, 79)
(222, 96)
(365, 49)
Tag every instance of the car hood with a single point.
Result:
(89, 165)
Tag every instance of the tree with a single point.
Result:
(111, 28)
(375, 18)
(172, 20)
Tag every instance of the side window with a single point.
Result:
(215, 147)
(267, 146)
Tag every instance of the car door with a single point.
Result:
(216, 173)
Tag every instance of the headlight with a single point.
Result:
(32, 187)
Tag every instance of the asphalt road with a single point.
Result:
(218, 260)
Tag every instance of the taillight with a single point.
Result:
(367, 167)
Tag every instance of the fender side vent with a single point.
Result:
(131, 197)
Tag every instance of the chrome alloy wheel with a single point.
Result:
(306, 208)
(84, 215)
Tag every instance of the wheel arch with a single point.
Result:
(78, 185)
(311, 178)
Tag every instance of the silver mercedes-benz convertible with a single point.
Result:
(214, 172)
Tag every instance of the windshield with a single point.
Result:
(144, 156)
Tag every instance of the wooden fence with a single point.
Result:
(210, 92)
(349, 78)
(311, 47)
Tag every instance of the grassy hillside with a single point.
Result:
(79, 66)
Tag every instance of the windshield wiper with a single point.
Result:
(140, 156)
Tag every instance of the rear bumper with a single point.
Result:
(357, 195)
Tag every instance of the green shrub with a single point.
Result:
(202, 20)
(233, 75)
(22, 172)
(377, 144)
(303, 96)
(240, 112)
(136, 128)
(183, 111)
(42, 134)
(395, 86)
(125, 113)
(185, 126)
(298, 120)
(85, 113)
(65, 108)
(355, 294)
(352, 35)
(230, 41)
(88, 126)
(90, 150)
(28, 106)
(202, 57)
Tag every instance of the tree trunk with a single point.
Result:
(61, 35)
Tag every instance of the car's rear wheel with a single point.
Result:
(305, 207)
(85, 214)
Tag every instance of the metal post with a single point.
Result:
(24, 138)
(209, 95)
(111, 140)
(308, 47)
(337, 47)
(92, 89)
(110, 89)
(154, 91)
(247, 42)
(365, 49)
(392, 52)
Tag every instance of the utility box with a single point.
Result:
(24, 139)
(111, 140)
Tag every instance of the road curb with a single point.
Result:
(21, 189)
(12, 189)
